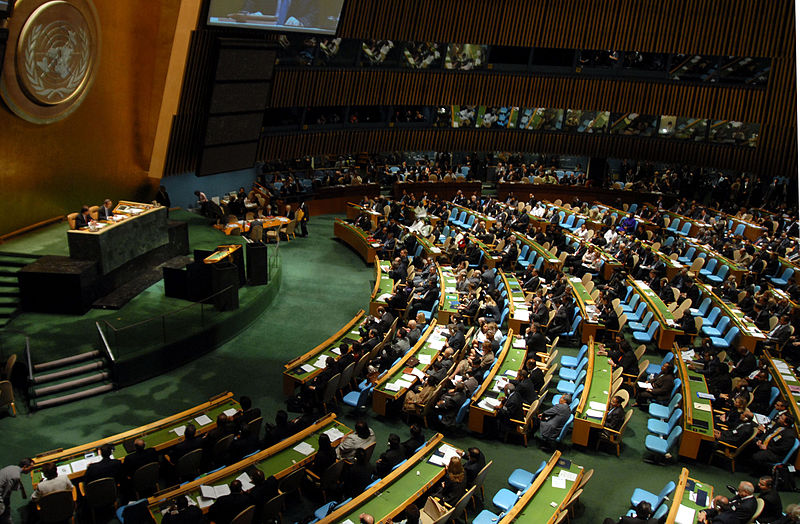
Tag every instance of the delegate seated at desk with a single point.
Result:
(84, 218)
(106, 211)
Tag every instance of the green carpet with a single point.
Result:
(324, 284)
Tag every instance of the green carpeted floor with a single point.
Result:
(324, 285)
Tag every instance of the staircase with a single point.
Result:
(69, 379)
(10, 264)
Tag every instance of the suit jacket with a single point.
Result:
(739, 513)
(81, 221)
(182, 448)
(553, 420)
(107, 467)
(527, 391)
(104, 214)
(227, 507)
(536, 342)
(615, 418)
(138, 459)
(472, 468)
(190, 515)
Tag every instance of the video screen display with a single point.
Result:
(307, 16)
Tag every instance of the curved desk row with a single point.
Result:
(160, 434)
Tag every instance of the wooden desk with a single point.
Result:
(698, 417)
(386, 391)
(508, 363)
(479, 217)
(519, 314)
(669, 327)
(682, 496)
(119, 242)
(780, 294)
(590, 326)
(222, 253)
(159, 435)
(278, 460)
(749, 334)
(734, 269)
(244, 225)
(383, 285)
(490, 257)
(294, 375)
(445, 190)
(356, 238)
(647, 225)
(550, 260)
(394, 492)
(786, 381)
(431, 250)
(541, 503)
(448, 295)
(596, 390)
(354, 210)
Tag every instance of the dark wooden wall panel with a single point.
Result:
(307, 87)
(721, 27)
(372, 141)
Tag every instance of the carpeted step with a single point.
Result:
(73, 359)
(6, 271)
(6, 280)
(69, 372)
(18, 262)
(71, 384)
(88, 391)
(9, 301)
(7, 312)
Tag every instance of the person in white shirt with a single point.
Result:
(52, 482)
(361, 438)
(583, 233)
(610, 236)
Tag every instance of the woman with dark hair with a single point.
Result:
(325, 457)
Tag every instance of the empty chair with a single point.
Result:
(504, 499)
(673, 227)
(684, 230)
(572, 373)
(709, 269)
(717, 330)
(570, 386)
(145, 479)
(688, 256)
(631, 306)
(654, 369)
(636, 316)
(783, 280)
(727, 341)
(712, 317)
(719, 276)
(662, 428)
(645, 337)
(522, 479)
(358, 399)
(56, 506)
(641, 326)
(701, 311)
(665, 412)
(573, 362)
(660, 446)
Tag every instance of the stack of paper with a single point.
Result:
(489, 404)
(599, 406)
(308, 368)
(334, 434)
(304, 448)
(214, 492)
(244, 478)
(702, 407)
(402, 383)
(180, 430)
(203, 420)
(436, 344)
(424, 359)
(593, 413)
(568, 475)
(559, 482)
(449, 452)
(519, 343)
(320, 363)
(685, 515)
(409, 378)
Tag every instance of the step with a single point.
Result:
(7, 312)
(9, 301)
(9, 292)
(68, 372)
(6, 280)
(6, 271)
(72, 384)
(20, 256)
(74, 359)
(71, 397)
(13, 261)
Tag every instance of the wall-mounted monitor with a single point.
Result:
(307, 16)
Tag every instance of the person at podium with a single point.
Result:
(106, 210)
(298, 13)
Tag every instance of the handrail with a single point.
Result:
(28, 356)
(168, 313)
(104, 341)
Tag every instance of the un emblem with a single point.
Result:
(54, 60)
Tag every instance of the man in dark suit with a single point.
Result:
(228, 506)
(108, 467)
(140, 457)
(661, 387)
(739, 510)
(83, 218)
(391, 457)
(616, 414)
(739, 431)
(525, 387)
(744, 364)
(476, 461)
(774, 447)
(415, 440)
(248, 412)
(773, 508)
(182, 513)
(106, 211)
(535, 340)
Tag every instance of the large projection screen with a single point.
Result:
(307, 16)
